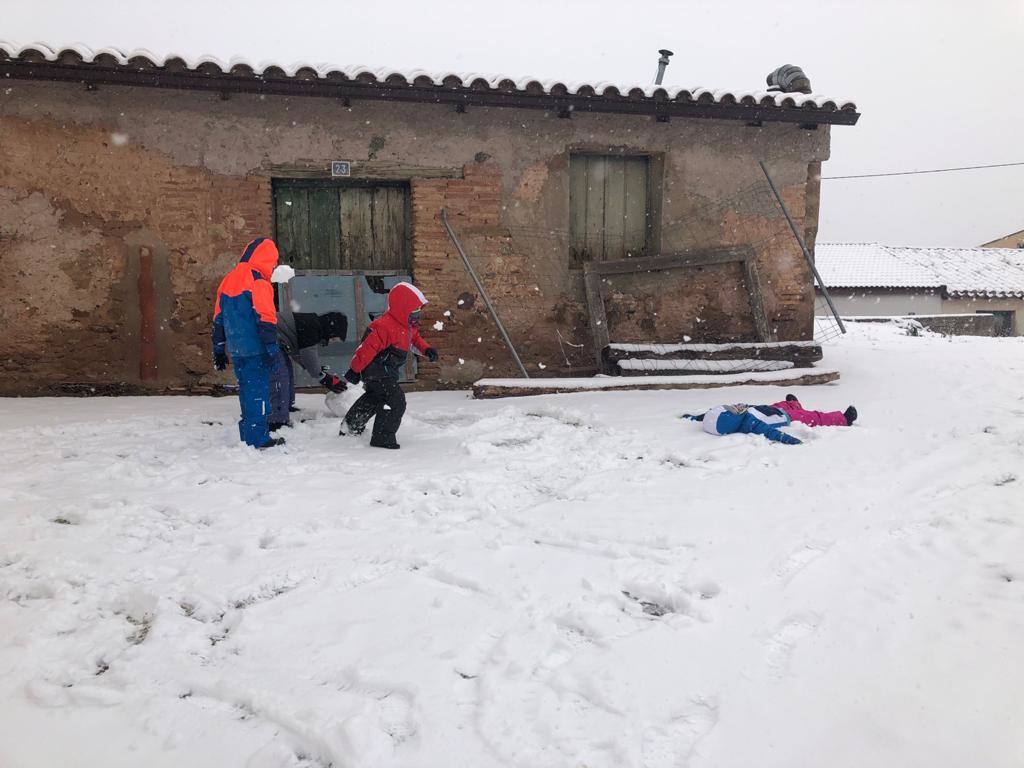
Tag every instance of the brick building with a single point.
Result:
(129, 185)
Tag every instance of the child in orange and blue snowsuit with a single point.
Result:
(245, 328)
(378, 362)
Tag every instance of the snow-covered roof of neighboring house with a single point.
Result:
(985, 272)
(141, 67)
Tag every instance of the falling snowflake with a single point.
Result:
(461, 361)
(438, 326)
(119, 139)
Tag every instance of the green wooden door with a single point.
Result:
(608, 210)
(333, 227)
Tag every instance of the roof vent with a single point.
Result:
(662, 63)
(789, 79)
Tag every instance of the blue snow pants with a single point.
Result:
(282, 389)
(253, 376)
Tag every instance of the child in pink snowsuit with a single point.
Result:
(796, 412)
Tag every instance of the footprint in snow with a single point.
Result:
(779, 648)
(800, 558)
(675, 743)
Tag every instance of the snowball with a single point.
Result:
(282, 274)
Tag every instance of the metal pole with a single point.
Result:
(803, 246)
(483, 293)
(662, 64)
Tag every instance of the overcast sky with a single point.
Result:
(939, 83)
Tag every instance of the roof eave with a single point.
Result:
(188, 79)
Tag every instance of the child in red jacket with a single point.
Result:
(378, 362)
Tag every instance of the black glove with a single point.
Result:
(431, 354)
(351, 376)
(332, 382)
(220, 361)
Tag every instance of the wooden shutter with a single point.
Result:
(608, 208)
(307, 226)
(374, 228)
(342, 228)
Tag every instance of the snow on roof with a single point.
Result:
(140, 60)
(988, 272)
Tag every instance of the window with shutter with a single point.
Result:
(608, 207)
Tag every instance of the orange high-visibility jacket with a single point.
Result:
(244, 317)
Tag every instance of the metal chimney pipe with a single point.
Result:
(662, 63)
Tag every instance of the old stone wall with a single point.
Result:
(98, 187)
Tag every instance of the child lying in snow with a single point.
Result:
(766, 419)
(796, 412)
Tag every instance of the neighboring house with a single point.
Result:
(129, 184)
(872, 279)
(1013, 240)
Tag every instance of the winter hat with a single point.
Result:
(724, 419)
(333, 325)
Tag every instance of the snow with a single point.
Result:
(438, 326)
(991, 272)
(708, 366)
(282, 273)
(625, 382)
(662, 349)
(549, 581)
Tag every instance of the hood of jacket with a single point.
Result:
(403, 300)
(261, 254)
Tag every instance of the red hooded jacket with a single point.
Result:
(385, 345)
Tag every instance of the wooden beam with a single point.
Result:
(483, 391)
(801, 355)
(695, 258)
(598, 318)
(764, 332)
(361, 170)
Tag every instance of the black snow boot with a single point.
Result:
(379, 441)
(274, 426)
(851, 415)
(792, 399)
(274, 441)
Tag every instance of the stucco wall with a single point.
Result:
(865, 301)
(90, 178)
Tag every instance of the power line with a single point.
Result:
(914, 173)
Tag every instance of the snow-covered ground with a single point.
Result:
(570, 580)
